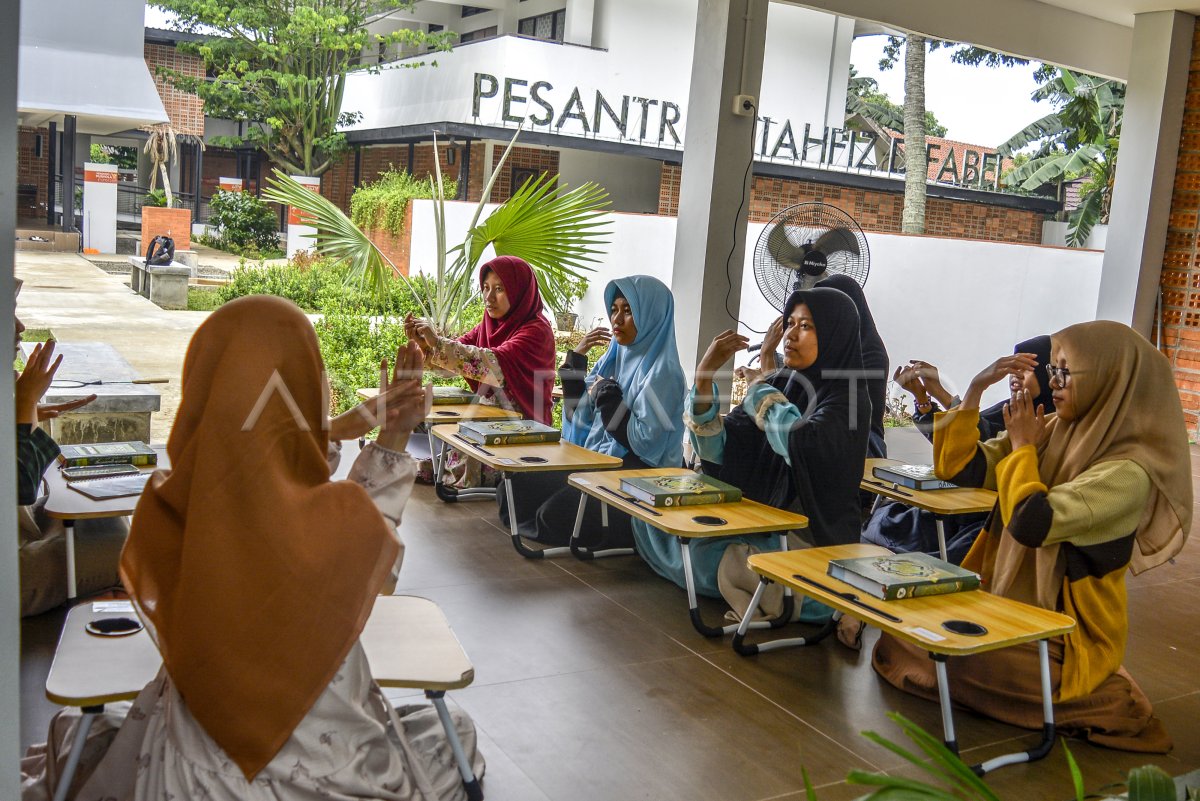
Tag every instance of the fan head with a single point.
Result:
(803, 244)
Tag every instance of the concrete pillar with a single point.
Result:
(10, 597)
(69, 159)
(580, 14)
(710, 239)
(1141, 202)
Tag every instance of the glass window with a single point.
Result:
(470, 11)
(550, 26)
(473, 36)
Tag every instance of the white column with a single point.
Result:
(1141, 202)
(727, 61)
(580, 14)
(99, 207)
(299, 234)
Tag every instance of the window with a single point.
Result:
(519, 176)
(470, 11)
(550, 26)
(474, 36)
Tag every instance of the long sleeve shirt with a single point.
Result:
(767, 406)
(36, 451)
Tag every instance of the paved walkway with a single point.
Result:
(79, 302)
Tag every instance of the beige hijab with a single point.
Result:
(1127, 407)
(254, 572)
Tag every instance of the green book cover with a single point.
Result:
(138, 453)
(449, 394)
(682, 490)
(507, 432)
(912, 476)
(902, 575)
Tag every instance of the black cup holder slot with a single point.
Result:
(534, 459)
(709, 520)
(964, 627)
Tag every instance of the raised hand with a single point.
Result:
(421, 332)
(597, 336)
(720, 350)
(48, 411)
(394, 396)
(408, 402)
(770, 345)
(34, 380)
(1025, 425)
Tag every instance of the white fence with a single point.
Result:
(954, 302)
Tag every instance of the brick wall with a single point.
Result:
(337, 183)
(31, 172)
(1180, 278)
(186, 111)
(874, 210)
(539, 160)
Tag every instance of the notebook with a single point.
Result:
(102, 489)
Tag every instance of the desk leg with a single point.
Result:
(447, 493)
(750, 649)
(81, 733)
(698, 623)
(584, 553)
(439, 459)
(470, 782)
(941, 530)
(518, 543)
(939, 663)
(69, 526)
(1042, 748)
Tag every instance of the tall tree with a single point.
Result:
(863, 99)
(280, 66)
(916, 165)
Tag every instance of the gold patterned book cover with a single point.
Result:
(903, 575)
(681, 490)
(507, 432)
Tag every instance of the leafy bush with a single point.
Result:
(98, 155)
(382, 204)
(156, 198)
(202, 299)
(245, 224)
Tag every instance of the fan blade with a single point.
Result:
(782, 249)
(836, 240)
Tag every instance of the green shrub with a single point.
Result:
(244, 223)
(382, 204)
(156, 198)
(203, 299)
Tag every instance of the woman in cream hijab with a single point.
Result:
(255, 574)
(1101, 486)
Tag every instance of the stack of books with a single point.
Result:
(902, 575)
(138, 453)
(913, 476)
(507, 432)
(682, 490)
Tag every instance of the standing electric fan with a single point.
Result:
(803, 244)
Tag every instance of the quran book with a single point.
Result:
(446, 394)
(902, 575)
(507, 432)
(681, 490)
(138, 453)
(100, 489)
(913, 476)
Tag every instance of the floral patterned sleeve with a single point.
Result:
(478, 364)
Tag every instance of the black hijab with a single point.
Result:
(991, 419)
(874, 352)
(827, 446)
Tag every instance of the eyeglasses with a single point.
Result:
(1060, 374)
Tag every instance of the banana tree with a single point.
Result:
(557, 233)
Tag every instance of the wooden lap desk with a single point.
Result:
(67, 505)
(741, 517)
(453, 412)
(942, 502)
(407, 640)
(920, 621)
(534, 457)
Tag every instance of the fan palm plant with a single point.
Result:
(557, 233)
(162, 148)
(1080, 137)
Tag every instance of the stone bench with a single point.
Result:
(164, 284)
(120, 413)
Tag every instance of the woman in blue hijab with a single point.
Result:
(630, 405)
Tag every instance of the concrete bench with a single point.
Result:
(164, 284)
(120, 413)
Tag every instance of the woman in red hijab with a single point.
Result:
(509, 356)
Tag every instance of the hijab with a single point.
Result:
(874, 352)
(253, 571)
(1127, 407)
(650, 377)
(522, 340)
(991, 419)
(827, 447)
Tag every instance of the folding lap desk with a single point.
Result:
(927, 622)
(533, 457)
(741, 517)
(941, 502)
(407, 641)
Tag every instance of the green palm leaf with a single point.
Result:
(337, 238)
(1150, 783)
(1048, 126)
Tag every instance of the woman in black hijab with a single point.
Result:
(874, 357)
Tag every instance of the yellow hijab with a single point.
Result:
(255, 573)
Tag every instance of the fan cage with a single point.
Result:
(795, 226)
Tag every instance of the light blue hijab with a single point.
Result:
(650, 377)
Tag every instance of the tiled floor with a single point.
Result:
(591, 684)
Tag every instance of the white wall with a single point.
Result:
(1055, 233)
(632, 182)
(956, 303)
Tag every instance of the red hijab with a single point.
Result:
(522, 340)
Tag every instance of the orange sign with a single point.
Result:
(231, 185)
(99, 177)
(295, 215)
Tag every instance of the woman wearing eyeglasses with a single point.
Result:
(1101, 486)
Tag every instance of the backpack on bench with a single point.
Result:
(161, 251)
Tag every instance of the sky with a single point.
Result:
(978, 105)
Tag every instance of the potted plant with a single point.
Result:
(572, 290)
(163, 220)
